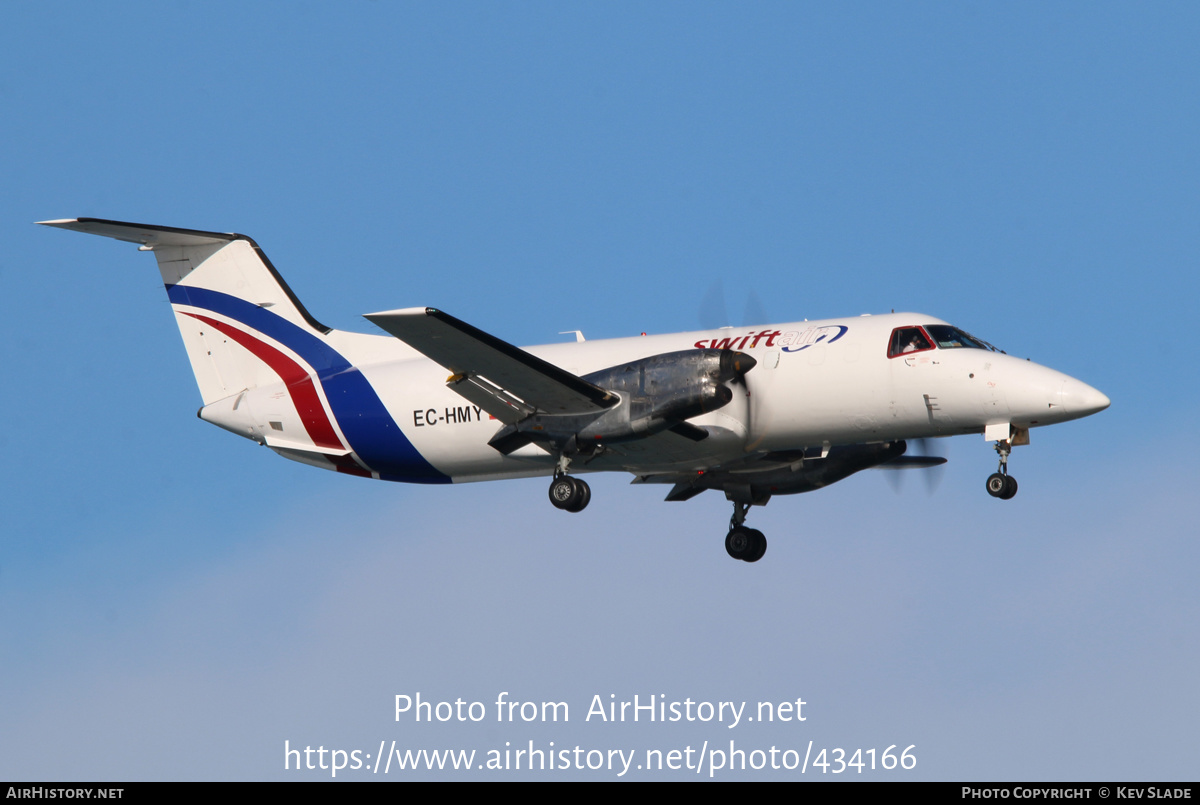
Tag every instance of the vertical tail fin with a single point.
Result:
(268, 370)
(219, 273)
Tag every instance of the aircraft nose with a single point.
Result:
(1080, 399)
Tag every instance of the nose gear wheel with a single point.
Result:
(1000, 484)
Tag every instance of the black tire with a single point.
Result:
(996, 484)
(1010, 488)
(758, 547)
(564, 492)
(738, 542)
(585, 496)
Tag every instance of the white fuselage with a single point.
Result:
(816, 384)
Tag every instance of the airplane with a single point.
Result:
(752, 412)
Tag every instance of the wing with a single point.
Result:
(755, 478)
(506, 381)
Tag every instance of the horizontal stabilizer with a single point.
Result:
(145, 234)
(471, 354)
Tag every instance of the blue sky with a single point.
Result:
(176, 603)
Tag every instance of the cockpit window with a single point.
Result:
(906, 340)
(948, 337)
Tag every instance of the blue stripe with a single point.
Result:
(373, 435)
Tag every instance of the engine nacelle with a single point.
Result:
(655, 393)
(676, 385)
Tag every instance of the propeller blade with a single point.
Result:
(713, 312)
(920, 454)
(755, 313)
(927, 449)
(714, 309)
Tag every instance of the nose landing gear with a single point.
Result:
(1000, 484)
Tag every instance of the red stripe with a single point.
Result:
(348, 465)
(299, 384)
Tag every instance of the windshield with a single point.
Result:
(948, 337)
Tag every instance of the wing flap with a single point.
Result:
(516, 381)
(491, 398)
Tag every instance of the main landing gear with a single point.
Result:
(1000, 484)
(570, 494)
(747, 544)
(567, 493)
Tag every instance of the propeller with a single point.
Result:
(921, 454)
(754, 313)
(714, 312)
(734, 365)
(713, 315)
